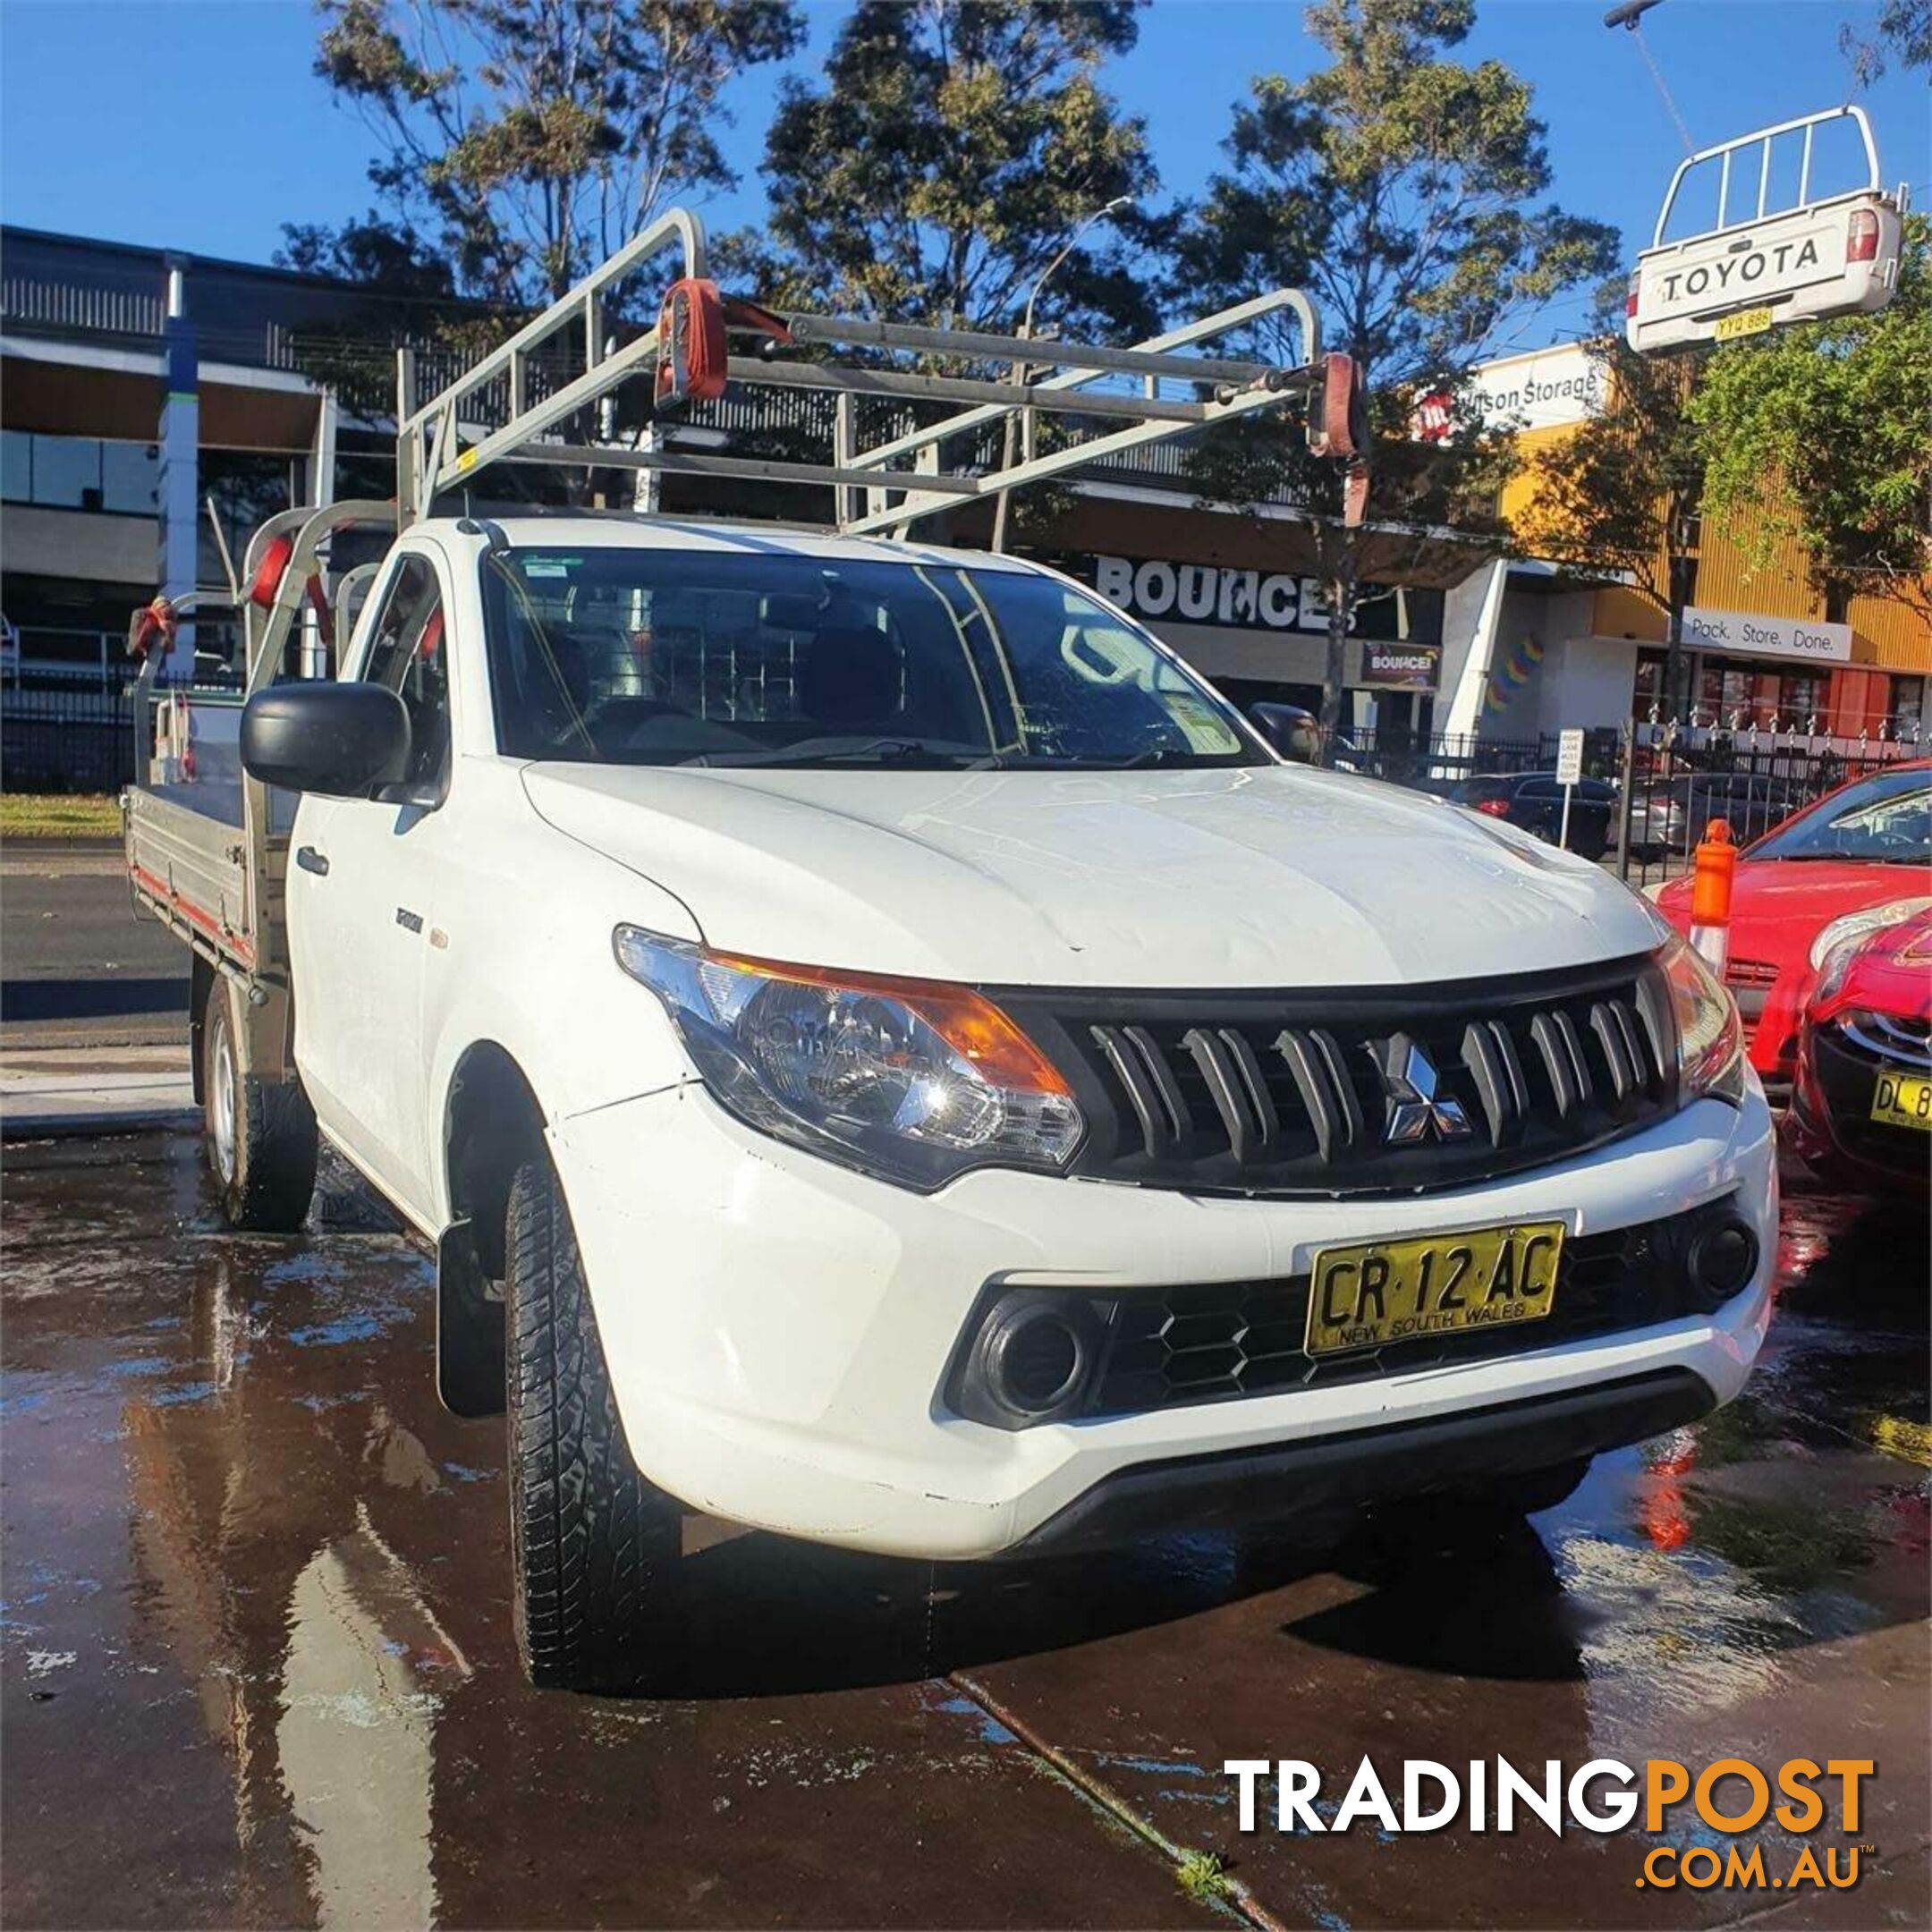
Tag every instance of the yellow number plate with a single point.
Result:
(1745, 322)
(1383, 1292)
(1904, 1100)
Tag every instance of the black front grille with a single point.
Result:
(1848, 1058)
(1302, 1092)
(1214, 1343)
(1888, 1039)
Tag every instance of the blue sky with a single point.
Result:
(197, 124)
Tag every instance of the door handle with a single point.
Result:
(311, 860)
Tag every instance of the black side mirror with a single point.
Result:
(1293, 732)
(317, 735)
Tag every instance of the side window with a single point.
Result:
(406, 654)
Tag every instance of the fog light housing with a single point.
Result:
(1719, 1258)
(1031, 1357)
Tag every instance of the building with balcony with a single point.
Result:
(131, 380)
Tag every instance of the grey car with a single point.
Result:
(1670, 815)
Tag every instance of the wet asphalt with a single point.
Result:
(256, 1666)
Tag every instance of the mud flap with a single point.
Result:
(469, 1329)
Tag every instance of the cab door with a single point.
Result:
(362, 891)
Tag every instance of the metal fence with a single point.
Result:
(72, 733)
(1655, 788)
(1675, 780)
(66, 734)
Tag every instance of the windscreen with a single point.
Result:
(1886, 820)
(664, 656)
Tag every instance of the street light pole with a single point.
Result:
(1119, 205)
(1679, 504)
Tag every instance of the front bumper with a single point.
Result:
(1830, 1126)
(779, 1330)
(1228, 1489)
(1771, 1031)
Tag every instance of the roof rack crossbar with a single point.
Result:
(853, 332)
(756, 469)
(999, 397)
(1036, 469)
(1203, 328)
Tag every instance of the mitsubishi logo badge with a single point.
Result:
(1416, 1109)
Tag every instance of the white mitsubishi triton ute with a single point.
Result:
(889, 1055)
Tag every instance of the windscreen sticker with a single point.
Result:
(1204, 731)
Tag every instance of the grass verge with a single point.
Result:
(82, 815)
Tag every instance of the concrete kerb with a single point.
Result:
(53, 1091)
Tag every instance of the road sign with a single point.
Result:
(1568, 769)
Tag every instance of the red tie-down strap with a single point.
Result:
(154, 623)
(692, 351)
(1355, 493)
(1340, 431)
(694, 328)
(1344, 430)
(275, 561)
(270, 572)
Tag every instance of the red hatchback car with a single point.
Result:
(1862, 1113)
(1859, 858)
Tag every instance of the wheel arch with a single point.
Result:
(492, 1120)
(492, 1123)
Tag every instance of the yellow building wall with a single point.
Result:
(1727, 579)
(1621, 613)
(1899, 637)
(1520, 491)
(1888, 633)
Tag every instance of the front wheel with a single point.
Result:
(594, 1546)
(260, 1135)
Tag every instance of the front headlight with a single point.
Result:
(1843, 934)
(1710, 1037)
(910, 1080)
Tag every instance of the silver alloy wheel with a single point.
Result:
(225, 1103)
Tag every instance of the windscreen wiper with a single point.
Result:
(843, 751)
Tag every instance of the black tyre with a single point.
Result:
(260, 1135)
(594, 1546)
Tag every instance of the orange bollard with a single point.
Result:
(1710, 895)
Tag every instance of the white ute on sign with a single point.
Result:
(887, 1055)
(1799, 260)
